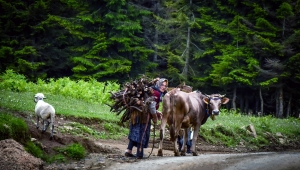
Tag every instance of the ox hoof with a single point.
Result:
(176, 154)
(182, 154)
(37, 127)
(159, 153)
(195, 154)
(51, 137)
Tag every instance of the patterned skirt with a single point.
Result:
(140, 132)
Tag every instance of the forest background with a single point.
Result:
(248, 50)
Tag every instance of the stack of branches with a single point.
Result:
(134, 95)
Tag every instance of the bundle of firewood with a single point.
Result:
(134, 95)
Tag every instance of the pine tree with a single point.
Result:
(177, 25)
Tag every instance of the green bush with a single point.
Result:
(13, 81)
(12, 127)
(57, 158)
(73, 151)
(34, 150)
(259, 141)
(91, 91)
(39, 153)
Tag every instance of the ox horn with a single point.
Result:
(223, 95)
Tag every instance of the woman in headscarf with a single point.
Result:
(139, 133)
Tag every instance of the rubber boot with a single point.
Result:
(179, 147)
(188, 149)
(140, 153)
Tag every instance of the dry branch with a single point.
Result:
(134, 95)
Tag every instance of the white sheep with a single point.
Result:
(45, 111)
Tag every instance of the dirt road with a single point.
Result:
(243, 161)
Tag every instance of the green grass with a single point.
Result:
(69, 107)
(112, 130)
(66, 106)
(12, 127)
(230, 129)
(73, 151)
(35, 150)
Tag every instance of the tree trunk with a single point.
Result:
(247, 105)
(297, 111)
(280, 102)
(283, 27)
(156, 34)
(187, 59)
(242, 104)
(185, 69)
(289, 107)
(277, 103)
(233, 99)
(261, 103)
(256, 106)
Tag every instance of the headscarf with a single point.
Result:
(157, 86)
(160, 83)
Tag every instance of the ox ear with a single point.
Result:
(225, 100)
(206, 100)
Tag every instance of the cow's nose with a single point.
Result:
(216, 112)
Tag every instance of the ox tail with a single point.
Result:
(172, 117)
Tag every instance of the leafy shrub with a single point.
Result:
(34, 150)
(259, 141)
(57, 158)
(13, 81)
(39, 153)
(225, 130)
(73, 151)
(91, 91)
(12, 127)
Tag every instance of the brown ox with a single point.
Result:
(184, 110)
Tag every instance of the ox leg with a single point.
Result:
(185, 139)
(161, 134)
(177, 129)
(195, 135)
(176, 151)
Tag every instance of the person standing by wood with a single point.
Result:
(139, 133)
(188, 143)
